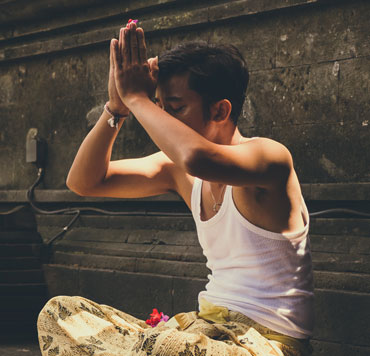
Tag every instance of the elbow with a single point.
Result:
(74, 185)
(195, 162)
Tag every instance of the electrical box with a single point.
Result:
(35, 148)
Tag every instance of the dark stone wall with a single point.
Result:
(309, 89)
(309, 86)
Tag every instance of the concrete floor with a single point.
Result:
(20, 349)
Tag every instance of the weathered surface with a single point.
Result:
(23, 290)
(31, 348)
(309, 85)
(309, 89)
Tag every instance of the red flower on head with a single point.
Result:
(131, 20)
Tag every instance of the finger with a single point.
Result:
(116, 56)
(126, 48)
(142, 46)
(153, 65)
(150, 62)
(133, 44)
(111, 64)
(120, 39)
(121, 46)
(113, 43)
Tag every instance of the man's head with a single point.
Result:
(215, 72)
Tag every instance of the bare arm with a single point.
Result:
(92, 173)
(91, 163)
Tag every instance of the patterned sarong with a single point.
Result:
(75, 326)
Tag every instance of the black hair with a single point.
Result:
(216, 72)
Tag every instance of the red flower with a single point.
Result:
(156, 317)
(131, 20)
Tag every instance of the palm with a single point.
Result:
(115, 103)
(112, 90)
(134, 74)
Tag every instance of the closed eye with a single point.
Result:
(175, 110)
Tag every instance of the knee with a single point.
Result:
(57, 302)
(52, 309)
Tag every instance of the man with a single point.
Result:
(244, 194)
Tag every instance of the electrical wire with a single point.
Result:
(102, 211)
(340, 210)
(13, 210)
(77, 211)
(65, 229)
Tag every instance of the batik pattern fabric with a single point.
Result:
(76, 326)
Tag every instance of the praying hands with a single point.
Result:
(131, 73)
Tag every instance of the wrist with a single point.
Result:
(136, 99)
(117, 110)
(115, 118)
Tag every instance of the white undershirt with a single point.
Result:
(265, 275)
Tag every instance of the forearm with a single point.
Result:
(177, 140)
(92, 160)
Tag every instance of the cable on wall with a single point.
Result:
(76, 212)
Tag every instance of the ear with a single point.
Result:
(221, 110)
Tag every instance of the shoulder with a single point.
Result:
(256, 162)
(263, 142)
(273, 159)
(268, 149)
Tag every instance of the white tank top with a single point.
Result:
(264, 275)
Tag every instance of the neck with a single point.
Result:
(227, 135)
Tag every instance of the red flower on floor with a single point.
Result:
(156, 317)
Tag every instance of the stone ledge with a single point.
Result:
(321, 228)
(65, 195)
(311, 191)
(338, 321)
(161, 22)
(160, 252)
(322, 348)
(138, 236)
(342, 281)
(329, 280)
(18, 10)
(340, 226)
(132, 264)
(185, 223)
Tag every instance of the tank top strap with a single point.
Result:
(196, 197)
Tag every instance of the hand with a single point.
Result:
(132, 72)
(153, 65)
(115, 103)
